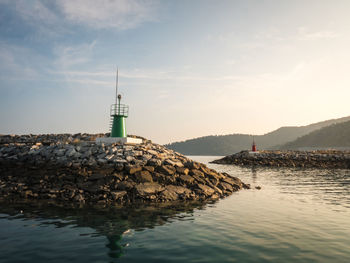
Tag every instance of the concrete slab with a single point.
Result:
(123, 140)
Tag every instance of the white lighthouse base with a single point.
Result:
(122, 140)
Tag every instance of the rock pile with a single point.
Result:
(74, 168)
(304, 159)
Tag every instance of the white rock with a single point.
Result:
(110, 157)
(152, 152)
(129, 158)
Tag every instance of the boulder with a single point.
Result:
(186, 179)
(125, 185)
(149, 168)
(232, 180)
(166, 169)
(182, 170)
(154, 162)
(206, 190)
(196, 173)
(143, 176)
(144, 189)
(96, 177)
(79, 198)
(133, 169)
(173, 163)
(178, 189)
(116, 195)
(192, 165)
(225, 186)
(169, 195)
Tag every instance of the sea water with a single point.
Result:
(299, 215)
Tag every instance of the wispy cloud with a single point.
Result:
(151, 74)
(69, 56)
(120, 14)
(17, 63)
(61, 15)
(305, 34)
(35, 11)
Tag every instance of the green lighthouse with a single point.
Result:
(118, 114)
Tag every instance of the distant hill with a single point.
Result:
(229, 144)
(335, 136)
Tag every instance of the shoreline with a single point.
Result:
(324, 159)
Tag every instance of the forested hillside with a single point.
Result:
(228, 144)
(333, 136)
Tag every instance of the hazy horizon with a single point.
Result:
(186, 68)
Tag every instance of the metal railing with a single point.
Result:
(119, 110)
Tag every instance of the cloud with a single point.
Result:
(18, 63)
(34, 11)
(59, 15)
(304, 34)
(146, 74)
(70, 56)
(70, 60)
(120, 14)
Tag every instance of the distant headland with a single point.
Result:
(329, 134)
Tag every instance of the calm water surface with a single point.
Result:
(297, 216)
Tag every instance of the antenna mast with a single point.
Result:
(116, 89)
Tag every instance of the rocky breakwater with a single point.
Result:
(73, 168)
(304, 159)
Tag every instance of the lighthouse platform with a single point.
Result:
(122, 140)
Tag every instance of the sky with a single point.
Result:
(186, 68)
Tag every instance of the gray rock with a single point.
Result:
(101, 155)
(70, 152)
(60, 152)
(102, 161)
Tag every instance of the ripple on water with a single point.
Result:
(298, 216)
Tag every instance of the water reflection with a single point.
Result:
(254, 174)
(112, 222)
(328, 186)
